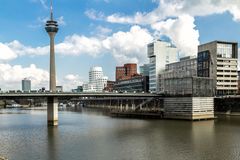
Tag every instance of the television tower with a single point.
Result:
(52, 28)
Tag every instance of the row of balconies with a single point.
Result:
(227, 84)
(227, 74)
(232, 63)
(227, 88)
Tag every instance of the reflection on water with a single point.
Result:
(91, 135)
(52, 146)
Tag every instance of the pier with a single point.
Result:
(135, 104)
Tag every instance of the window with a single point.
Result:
(224, 50)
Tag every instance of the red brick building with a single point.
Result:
(126, 72)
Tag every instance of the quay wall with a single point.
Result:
(189, 108)
(228, 106)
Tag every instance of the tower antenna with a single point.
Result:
(51, 12)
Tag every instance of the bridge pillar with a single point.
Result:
(133, 106)
(52, 111)
(121, 106)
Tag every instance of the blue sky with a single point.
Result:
(103, 33)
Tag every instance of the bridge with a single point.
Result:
(70, 94)
(121, 100)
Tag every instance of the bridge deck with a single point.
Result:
(75, 95)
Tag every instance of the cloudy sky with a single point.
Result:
(103, 33)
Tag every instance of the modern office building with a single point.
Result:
(180, 78)
(188, 86)
(159, 53)
(135, 84)
(218, 60)
(97, 81)
(126, 71)
(186, 67)
(26, 84)
(144, 69)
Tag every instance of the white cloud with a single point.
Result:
(93, 14)
(174, 8)
(42, 2)
(127, 46)
(71, 81)
(182, 32)
(6, 53)
(11, 76)
(124, 46)
(103, 31)
(76, 45)
(60, 21)
(175, 19)
(20, 49)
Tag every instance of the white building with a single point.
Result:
(159, 53)
(97, 81)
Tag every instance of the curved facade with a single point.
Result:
(97, 81)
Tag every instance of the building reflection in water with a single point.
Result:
(52, 147)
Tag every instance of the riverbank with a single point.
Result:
(3, 158)
(140, 115)
(228, 113)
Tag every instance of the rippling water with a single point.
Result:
(90, 136)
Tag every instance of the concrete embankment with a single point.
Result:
(2, 104)
(140, 115)
(3, 158)
(229, 113)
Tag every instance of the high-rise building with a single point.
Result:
(159, 53)
(218, 60)
(97, 81)
(126, 71)
(95, 73)
(26, 84)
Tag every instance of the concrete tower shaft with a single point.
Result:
(51, 28)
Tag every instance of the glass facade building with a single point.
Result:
(26, 84)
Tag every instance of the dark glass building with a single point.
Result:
(134, 84)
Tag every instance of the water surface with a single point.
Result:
(93, 136)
